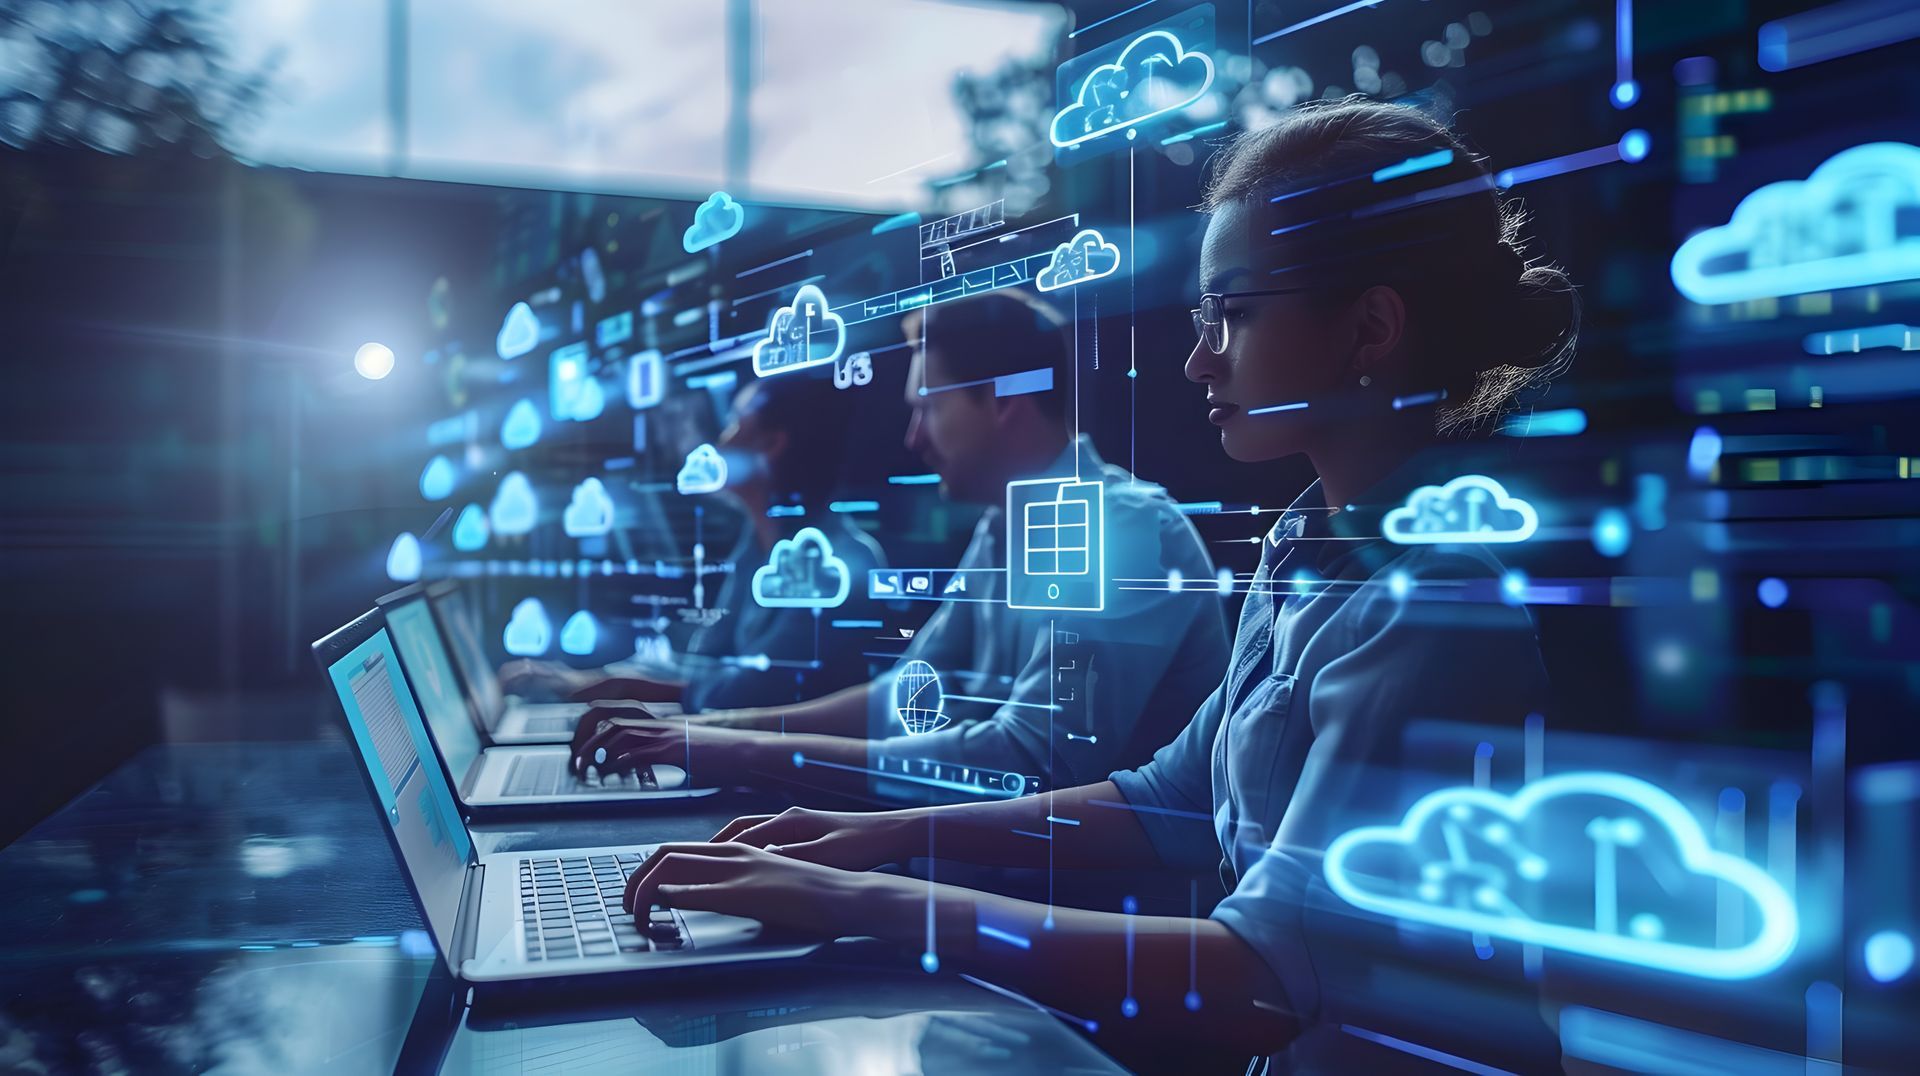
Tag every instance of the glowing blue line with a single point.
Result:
(800, 760)
(1188, 136)
(1428, 1052)
(1556, 166)
(814, 279)
(1064, 821)
(1837, 30)
(1200, 508)
(1316, 20)
(1030, 833)
(896, 222)
(913, 480)
(1426, 162)
(770, 265)
(856, 623)
(783, 511)
(1076, 33)
(1563, 423)
(1006, 702)
(1006, 935)
(1865, 338)
(1401, 403)
(1632, 1044)
(1301, 406)
(854, 506)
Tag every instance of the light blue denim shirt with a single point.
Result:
(1123, 679)
(1304, 738)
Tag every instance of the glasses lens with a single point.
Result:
(1213, 324)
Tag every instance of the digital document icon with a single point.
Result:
(1599, 864)
(529, 633)
(1153, 77)
(802, 573)
(704, 472)
(1471, 508)
(716, 219)
(1056, 544)
(1087, 256)
(573, 393)
(1850, 224)
(803, 333)
(646, 379)
(917, 700)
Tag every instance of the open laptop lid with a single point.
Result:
(460, 624)
(423, 653)
(416, 806)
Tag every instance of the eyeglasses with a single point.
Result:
(1210, 317)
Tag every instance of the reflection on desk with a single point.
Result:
(234, 907)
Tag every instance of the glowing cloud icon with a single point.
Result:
(522, 426)
(1471, 508)
(580, 634)
(1153, 77)
(519, 332)
(802, 573)
(589, 513)
(514, 509)
(1854, 222)
(1599, 864)
(716, 219)
(403, 560)
(470, 530)
(802, 333)
(917, 699)
(529, 633)
(704, 472)
(1087, 256)
(436, 481)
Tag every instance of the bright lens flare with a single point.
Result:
(373, 361)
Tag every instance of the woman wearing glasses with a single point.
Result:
(1365, 300)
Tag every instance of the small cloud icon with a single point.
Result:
(403, 559)
(470, 530)
(1471, 508)
(1154, 76)
(1087, 256)
(704, 472)
(580, 634)
(802, 333)
(529, 632)
(1599, 864)
(802, 573)
(436, 481)
(514, 509)
(519, 332)
(716, 219)
(589, 513)
(522, 426)
(1854, 222)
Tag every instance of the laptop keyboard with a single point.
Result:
(548, 775)
(571, 909)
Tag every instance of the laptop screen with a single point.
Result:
(392, 741)
(462, 626)
(430, 672)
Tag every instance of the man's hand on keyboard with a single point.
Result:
(737, 880)
(614, 739)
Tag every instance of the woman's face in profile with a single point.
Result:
(1281, 349)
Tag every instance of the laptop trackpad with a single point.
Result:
(669, 777)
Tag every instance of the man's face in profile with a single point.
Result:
(954, 431)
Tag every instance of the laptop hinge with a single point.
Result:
(466, 926)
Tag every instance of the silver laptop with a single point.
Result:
(507, 916)
(502, 776)
(506, 721)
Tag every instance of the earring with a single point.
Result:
(1365, 380)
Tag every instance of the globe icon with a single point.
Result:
(917, 698)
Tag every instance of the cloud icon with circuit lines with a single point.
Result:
(1087, 256)
(1153, 76)
(1599, 864)
(716, 219)
(1471, 508)
(1854, 222)
(802, 573)
(803, 333)
(705, 471)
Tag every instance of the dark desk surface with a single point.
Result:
(233, 906)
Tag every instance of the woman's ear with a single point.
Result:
(1380, 323)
